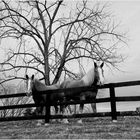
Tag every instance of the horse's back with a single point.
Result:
(54, 97)
(43, 87)
(72, 84)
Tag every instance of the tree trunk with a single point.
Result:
(46, 70)
(60, 69)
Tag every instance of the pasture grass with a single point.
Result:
(92, 128)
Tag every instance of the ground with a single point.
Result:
(95, 128)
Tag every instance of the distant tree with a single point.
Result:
(51, 34)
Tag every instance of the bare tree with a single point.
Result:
(50, 35)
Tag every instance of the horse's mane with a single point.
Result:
(42, 87)
(88, 79)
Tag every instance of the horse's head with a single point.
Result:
(99, 73)
(29, 84)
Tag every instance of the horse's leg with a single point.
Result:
(70, 110)
(80, 112)
(81, 107)
(44, 113)
(56, 109)
(75, 109)
(63, 111)
(93, 106)
(40, 111)
(56, 113)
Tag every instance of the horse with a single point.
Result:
(35, 87)
(93, 77)
(90, 93)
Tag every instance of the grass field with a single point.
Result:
(95, 128)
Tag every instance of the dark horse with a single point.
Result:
(35, 88)
(93, 77)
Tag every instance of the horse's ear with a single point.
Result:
(102, 65)
(95, 65)
(27, 77)
(33, 77)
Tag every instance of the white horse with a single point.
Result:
(93, 77)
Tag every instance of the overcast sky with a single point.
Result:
(128, 12)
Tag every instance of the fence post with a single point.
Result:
(47, 110)
(113, 103)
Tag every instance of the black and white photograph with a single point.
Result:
(69, 69)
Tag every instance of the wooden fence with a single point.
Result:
(112, 99)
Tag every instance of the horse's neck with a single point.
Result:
(95, 81)
(39, 86)
(88, 79)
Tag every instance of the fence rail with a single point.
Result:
(112, 99)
